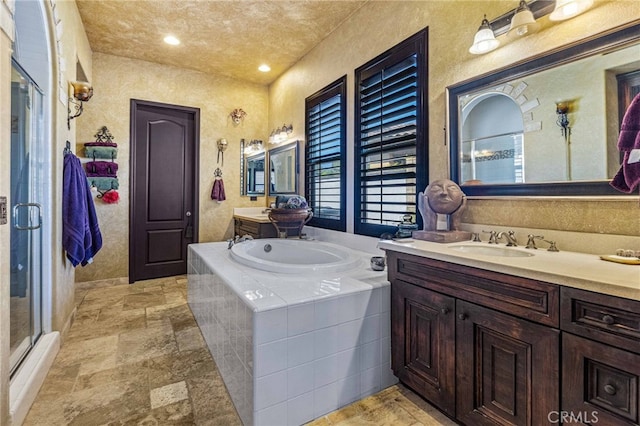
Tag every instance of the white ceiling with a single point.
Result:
(224, 37)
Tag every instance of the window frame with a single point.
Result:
(418, 45)
(338, 87)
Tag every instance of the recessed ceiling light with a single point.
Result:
(171, 40)
(264, 68)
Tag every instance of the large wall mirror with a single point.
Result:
(549, 125)
(255, 173)
(283, 169)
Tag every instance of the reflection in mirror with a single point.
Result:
(548, 126)
(254, 174)
(283, 165)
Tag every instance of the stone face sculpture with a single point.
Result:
(442, 196)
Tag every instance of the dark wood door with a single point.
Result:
(164, 188)
(423, 342)
(507, 368)
(599, 383)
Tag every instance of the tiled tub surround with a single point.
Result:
(291, 348)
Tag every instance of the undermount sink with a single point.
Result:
(491, 251)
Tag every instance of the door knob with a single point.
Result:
(188, 214)
(463, 316)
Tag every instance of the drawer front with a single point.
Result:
(267, 230)
(609, 319)
(599, 382)
(246, 227)
(534, 300)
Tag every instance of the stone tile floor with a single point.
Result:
(135, 356)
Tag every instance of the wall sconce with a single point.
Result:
(484, 40)
(566, 9)
(522, 18)
(562, 109)
(80, 91)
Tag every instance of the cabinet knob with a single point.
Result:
(463, 316)
(444, 310)
(608, 319)
(610, 389)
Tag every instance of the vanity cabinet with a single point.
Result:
(255, 228)
(600, 357)
(481, 346)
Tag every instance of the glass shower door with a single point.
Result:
(27, 192)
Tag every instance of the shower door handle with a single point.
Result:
(28, 227)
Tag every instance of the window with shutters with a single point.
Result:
(390, 136)
(325, 174)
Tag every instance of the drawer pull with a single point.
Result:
(463, 316)
(608, 319)
(610, 389)
(444, 310)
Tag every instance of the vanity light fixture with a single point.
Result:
(255, 145)
(484, 40)
(281, 134)
(566, 9)
(522, 19)
(80, 91)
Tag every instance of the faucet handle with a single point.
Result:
(552, 246)
(492, 236)
(531, 241)
(475, 237)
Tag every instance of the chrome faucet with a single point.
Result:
(238, 239)
(531, 241)
(492, 237)
(510, 236)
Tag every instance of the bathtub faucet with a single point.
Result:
(238, 239)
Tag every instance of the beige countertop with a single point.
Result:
(253, 214)
(257, 217)
(577, 270)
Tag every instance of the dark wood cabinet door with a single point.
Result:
(507, 368)
(599, 383)
(423, 342)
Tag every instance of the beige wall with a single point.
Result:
(65, 48)
(117, 80)
(452, 25)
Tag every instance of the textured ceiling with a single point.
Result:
(227, 37)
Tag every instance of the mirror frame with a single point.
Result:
(248, 158)
(289, 146)
(615, 38)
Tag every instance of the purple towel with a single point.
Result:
(101, 168)
(217, 193)
(81, 237)
(628, 177)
